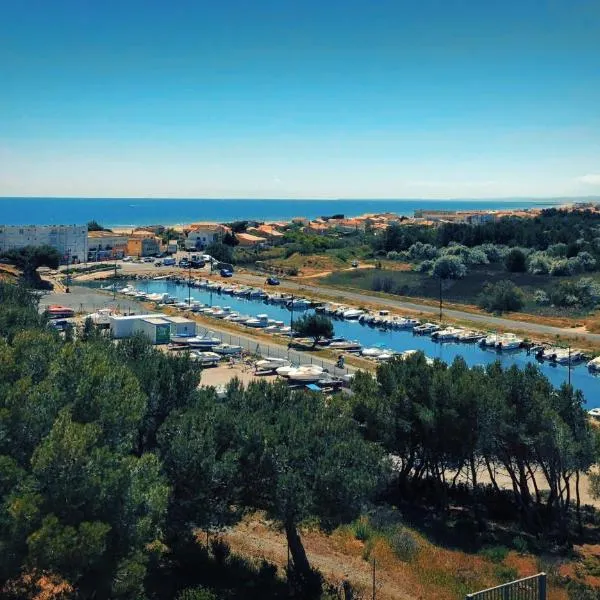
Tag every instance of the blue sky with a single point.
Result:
(300, 98)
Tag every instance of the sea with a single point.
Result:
(123, 212)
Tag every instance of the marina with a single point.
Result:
(381, 335)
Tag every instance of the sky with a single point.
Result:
(300, 98)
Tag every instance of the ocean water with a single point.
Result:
(130, 211)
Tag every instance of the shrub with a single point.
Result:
(424, 267)
(557, 250)
(449, 267)
(362, 529)
(220, 550)
(495, 253)
(420, 251)
(501, 296)
(539, 263)
(403, 543)
(495, 553)
(540, 297)
(393, 255)
(516, 261)
(560, 267)
(587, 260)
(197, 593)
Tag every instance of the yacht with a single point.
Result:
(206, 359)
(259, 322)
(594, 364)
(508, 341)
(346, 345)
(271, 364)
(227, 349)
(352, 313)
(426, 328)
(469, 336)
(371, 352)
(306, 373)
(450, 333)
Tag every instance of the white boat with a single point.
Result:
(271, 364)
(299, 304)
(405, 323)
(258, 322)
(508, 341)
(306, 373)
(594, 412)
(385, 356)
(491, 340)
(352, 313)
(206, 359)
(450, 333)
(284, 371)
(227, 349)
(101, 317)
(195, 341)
(594, 364)
(426, 328)
(371, 352)
(345, 345)
(469, 336)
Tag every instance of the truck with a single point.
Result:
(169, 262)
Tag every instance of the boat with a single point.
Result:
(426, 328)
(271, 364)
(306, 373)
(352, 313)
(195, 341)
(299, 304)
(345, 345)
(490, 340)
(450, 333)
(371, 352)
(227, 349)
(469, 336)
(594, 364)
(259, 321)
(594, 412)
(508, 341)
(284, 371)
(405, 323)
(59, 312)
(206, 359)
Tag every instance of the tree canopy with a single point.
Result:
(29, 258)
(314, 326)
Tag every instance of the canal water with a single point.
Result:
(398, 340)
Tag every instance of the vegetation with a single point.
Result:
(95, 226)
(220, 251)
(501, 296)
(29, 258)
(114, 464)
(314, 326)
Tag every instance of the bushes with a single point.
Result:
(501, 296)
(449, 267)
(584, 292)
(516, 261)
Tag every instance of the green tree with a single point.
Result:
(95, 226)
(220, 252)
(229, 239)
(501, 296)
(29, 258)
(516, 261)
(314, 326)
(449, 267)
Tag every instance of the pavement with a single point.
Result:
(87, 300)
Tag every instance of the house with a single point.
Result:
(248, 240)
(266, 231)
(143, 243)
(172, 246)
(106, 245)
(201, 235)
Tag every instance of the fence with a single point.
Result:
(267, 350)
(530, 588)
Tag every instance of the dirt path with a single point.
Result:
(255, 539)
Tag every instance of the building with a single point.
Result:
(172, 246)
(143, 243)
(247, 239)
(157, 327)
(201, 235)
(106, 245)
(265, 231)
(472, 217)
(71, 241)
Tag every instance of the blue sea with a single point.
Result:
(129, 211)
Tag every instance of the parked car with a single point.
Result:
(355, 263)
(127, 258)
(158, 263)
(226, 273)
(197, 264)
(272, 281)
(184, 263)
(148, 259)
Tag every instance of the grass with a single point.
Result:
(462, 291)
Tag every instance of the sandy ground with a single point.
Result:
(87, 300)
(224, 373)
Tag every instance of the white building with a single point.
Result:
(71, 241)
(204, 234)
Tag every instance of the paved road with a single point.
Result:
(486, 321)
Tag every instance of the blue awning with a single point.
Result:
(313, 387)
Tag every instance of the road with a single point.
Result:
(486, 321)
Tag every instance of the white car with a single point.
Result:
(127, 259)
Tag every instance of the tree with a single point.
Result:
(29, 258)
(501, 296)
(449, 267)
(229, 239)
(220, 252)
(95, 226)
(516, 261)
(314, 326)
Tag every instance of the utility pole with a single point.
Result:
(189, 284)
(115, 281)
(292, 314)
(373, 579)
(569, 365)
(440, 300)
(67, 290)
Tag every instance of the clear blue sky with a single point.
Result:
(300, 98)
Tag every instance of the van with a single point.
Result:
(169, 262)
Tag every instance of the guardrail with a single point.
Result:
(529, 588)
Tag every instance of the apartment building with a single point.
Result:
(71, 241)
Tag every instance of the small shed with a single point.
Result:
(124, 326)
(182, 326)
(157, 329)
